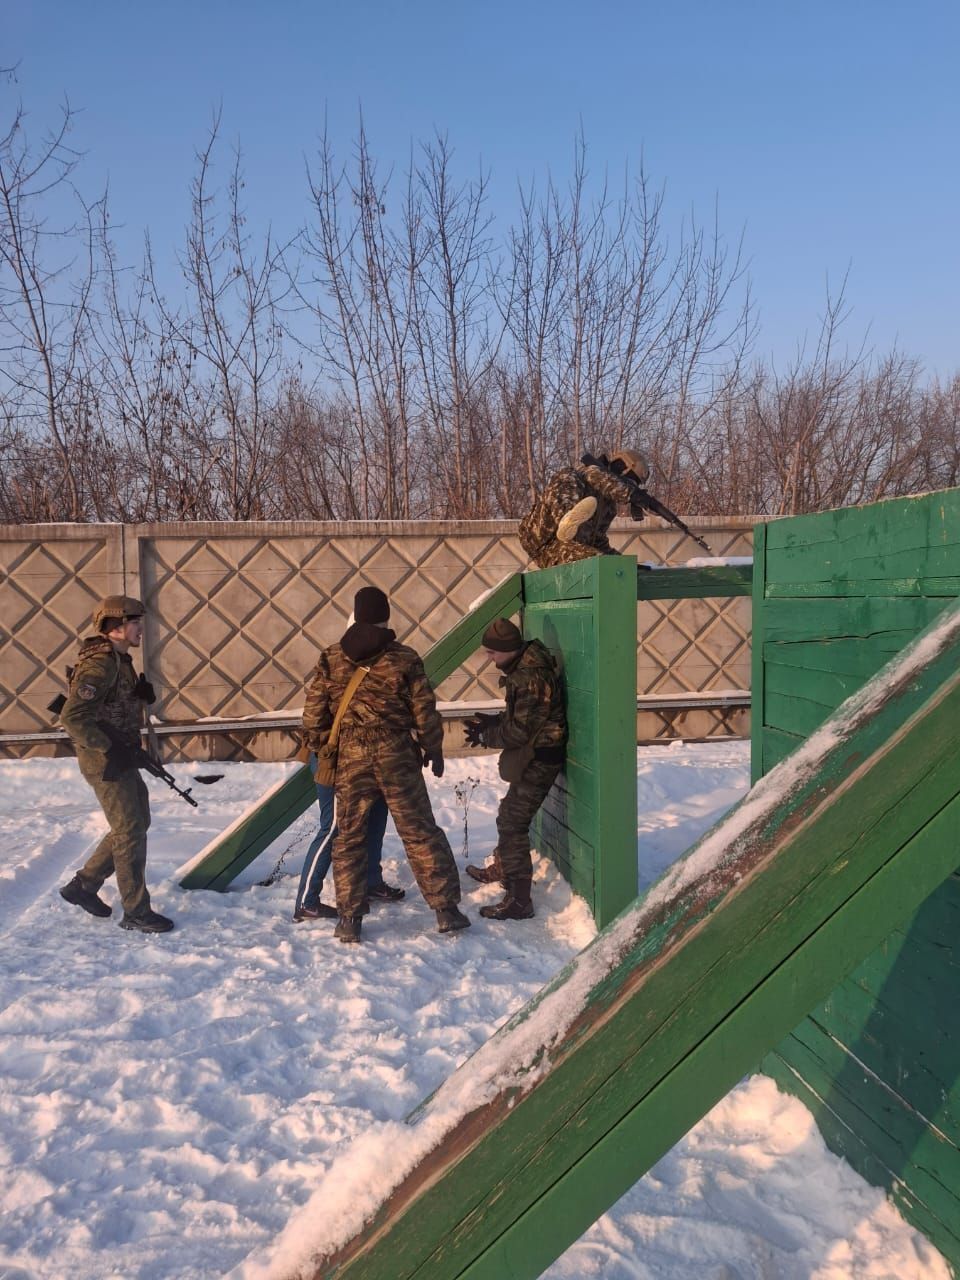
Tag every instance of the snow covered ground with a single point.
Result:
(168, 1102)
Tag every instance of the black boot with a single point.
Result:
(515, 905)
(147, 922)
(490, 874)
(348, 929)
(78, 895)
(449, 919)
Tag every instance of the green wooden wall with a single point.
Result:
(878, 1061)
(585, 613)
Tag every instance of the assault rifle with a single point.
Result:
(640, 499)
(122, 756)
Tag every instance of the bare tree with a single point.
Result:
(47, 274)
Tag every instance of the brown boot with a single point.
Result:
(515, 905)
(490, 874)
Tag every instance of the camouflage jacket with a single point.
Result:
(101, 688)
(534, 714)
(563, 491)
(394, 697)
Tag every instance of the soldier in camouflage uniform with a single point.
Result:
(102, 715)
(533, 733)
(570, 519)
(389, 731)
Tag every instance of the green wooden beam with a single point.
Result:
(607, 1068)
(681, 584)
(271, 815)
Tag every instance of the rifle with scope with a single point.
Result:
(641, 500)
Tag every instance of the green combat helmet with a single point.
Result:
(122, 607)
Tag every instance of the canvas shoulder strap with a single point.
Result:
(351, 689)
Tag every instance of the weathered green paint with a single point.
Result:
(686, 584)
(272, 816)
(585, 613)
(879, 1060)
(686, 989)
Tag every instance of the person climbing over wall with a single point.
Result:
(570, 519)
(389, 729)
(102, 715)
(370, 605)
(532, 732)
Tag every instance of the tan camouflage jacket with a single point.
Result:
(534, 714)
(563, 491)
(101, 688)
(394, 697)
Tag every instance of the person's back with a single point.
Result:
(389, 730)
(571, 517)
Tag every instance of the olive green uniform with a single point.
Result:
(533, 728)
(391, 719)
(102, 688)
(538, 528)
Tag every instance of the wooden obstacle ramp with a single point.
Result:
(270, 815)
(581, 1092)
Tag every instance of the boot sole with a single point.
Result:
(145, 928)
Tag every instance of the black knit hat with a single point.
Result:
(502, 636)
(371, 605)
(364, 641)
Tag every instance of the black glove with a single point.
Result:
(143, 689)
(477, 728)
(435, 761)
(120, 760)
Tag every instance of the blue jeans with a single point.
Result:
(317, 862)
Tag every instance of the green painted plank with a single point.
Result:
(787, 620)
(923, 1074)
(793, 713)
(268, 818)
(713, 581)
(944, 586)
(899, 1138)
(854, 826)
(888, 527)
(453, 649)
(253, 832)
(825, 689)
(861, 657)
(697, 1082)
(758, 642)
(845, 1142)
(777, 745)
(615, 639)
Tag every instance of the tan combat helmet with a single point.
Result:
(634, 464)
(117, 607)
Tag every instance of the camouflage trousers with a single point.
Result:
(557, 552)
(517, 810)
(369, 765)
(123, 850)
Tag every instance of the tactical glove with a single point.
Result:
(435, 761)
(120, 760)
(143, 689)
(477, 728)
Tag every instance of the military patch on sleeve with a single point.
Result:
(87, 692)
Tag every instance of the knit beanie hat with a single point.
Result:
(371, 605)
(502, 636)
(364, 641)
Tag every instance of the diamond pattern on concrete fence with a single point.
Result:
(236, 618)
(49, 587)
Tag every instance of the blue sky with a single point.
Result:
(826, 132)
